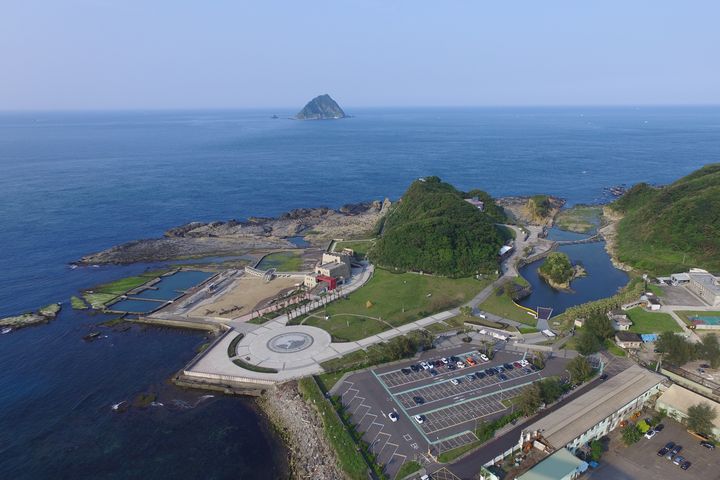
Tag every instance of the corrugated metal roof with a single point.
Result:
(577, 417)
(557, 466)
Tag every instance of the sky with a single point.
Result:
(176, 54)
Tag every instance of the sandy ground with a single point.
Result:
(245, 294)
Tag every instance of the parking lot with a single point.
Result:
(450, 401)
(641, 461)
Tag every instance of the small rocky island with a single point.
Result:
(322, 107)
(558, 271)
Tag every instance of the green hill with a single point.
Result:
(674, 227)
(432, 229)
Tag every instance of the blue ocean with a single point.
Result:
(76, 183)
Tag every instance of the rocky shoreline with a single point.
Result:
(43, 315)
(233, 237)
(311, 457)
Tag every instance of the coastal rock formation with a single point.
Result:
(197, 239)
(43, 315)
(322, 107)
(532, 210)
(298, 423)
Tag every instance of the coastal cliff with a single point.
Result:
(322, 107)
(233, 237)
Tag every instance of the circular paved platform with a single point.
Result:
(289, 343)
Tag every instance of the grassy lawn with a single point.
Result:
(347, 328)
(282, 261)
(656, 290)
(649, 322)
(686, 314)
(396, 299)
(407, 468)
(580, 218)
(98, 300)
(528, 330)
(351, 459)
(500, 304)
(360, 247)
(614, 349)
(78, 303)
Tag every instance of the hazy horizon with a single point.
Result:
(100, 55)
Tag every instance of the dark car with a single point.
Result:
(708, 445)
(490, 371)
(659, 427)
(676, 449)
(454, 359)
(451, 366)
(480, 375)
(503, 376)
(433, 372)
(439, 363)
(508, 366)
(663, 451)
(604, 376)
(534, 367)
(670, 445)
(406, 371)
(418, 400)
(415, 368)
(685, 465)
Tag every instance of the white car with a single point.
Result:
(484, 357)
(393, 416)
(524, 362)
(419, 418)
(460, 364)
(650, 433)
(444, 360)
(454, 381)
(424, 365)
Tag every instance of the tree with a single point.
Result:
(539, 360)
(588, 343)
(557, 267)
(596, 449)
(579, 369)
(528, 402)
(600, 325)
(709, 349)
(700, 418)
(631, 434)
(466, 311)
(550, 389)
(677, 350)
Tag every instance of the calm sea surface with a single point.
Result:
(74, 183)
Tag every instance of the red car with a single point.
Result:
(517, 365)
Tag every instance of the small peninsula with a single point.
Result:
(322, 107)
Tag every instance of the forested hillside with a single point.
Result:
(432, 229)
(674, 227)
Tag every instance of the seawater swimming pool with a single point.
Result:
(168, 288)
(172, 286)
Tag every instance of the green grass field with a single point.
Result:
(78, 303)
(360, 247)
(100, 295)
(396, 299)
(503, 306)
(282, 261)
(407, 468)
(649, 322)
(580, 218)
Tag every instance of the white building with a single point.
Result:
(676, 400)
(705, 285)
(597, 412)
(561, 465)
